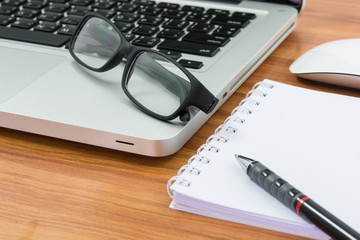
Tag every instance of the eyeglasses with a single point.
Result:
(157, 84)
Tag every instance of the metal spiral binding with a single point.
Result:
(180, 181)
(226, 126)
(191, 169)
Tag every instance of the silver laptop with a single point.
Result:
(44, 91)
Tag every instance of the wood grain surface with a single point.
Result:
(55, 189)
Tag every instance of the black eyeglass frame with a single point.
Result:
(198, 96)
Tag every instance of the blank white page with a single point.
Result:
(309, 138)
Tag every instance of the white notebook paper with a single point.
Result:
(309, 138)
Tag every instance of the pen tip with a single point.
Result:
(243, 161)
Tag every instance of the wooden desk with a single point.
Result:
(54, 189)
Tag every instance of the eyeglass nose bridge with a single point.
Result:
(124, 52)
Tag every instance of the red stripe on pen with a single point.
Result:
(300, 202)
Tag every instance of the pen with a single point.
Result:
(296, 200)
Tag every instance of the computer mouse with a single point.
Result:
(336, 62)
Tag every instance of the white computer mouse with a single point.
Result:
(336, 62)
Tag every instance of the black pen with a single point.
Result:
(296, 200)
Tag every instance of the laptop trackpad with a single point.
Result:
(20, 68)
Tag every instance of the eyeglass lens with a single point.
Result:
(96, 43)
(157, 84)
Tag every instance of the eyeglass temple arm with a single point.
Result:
(205, 100)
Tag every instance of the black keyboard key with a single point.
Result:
(5, 20)
(57, 7)
(206, 39)
(27, 13)
(168, 5)
(24, 23)
(170, 33)
(14, 3)
(106, 13)
(47, 26)
(25, 35)
(79, 10)
(172, 54)
(71, 19)
(103, 4)
(7, 10)
(226, 31)
(201, 27)
(146, 41)
(127, 7)
(189, 47)
(174, 14)
(145, 30)
(176, 24)
(127, 17)
(189, 8)
(67, 30)
(151, 20)
(152, 11)
(198, 17)
(214, 11)
(244, 15)
(123, 26)
(230, 21)
(58, 1)
(82, 3)
(35, 4)
(144, 2)
(191, 63)
(50, 16)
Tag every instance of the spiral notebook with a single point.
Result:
(309, 138)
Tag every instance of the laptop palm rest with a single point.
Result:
(22, 69)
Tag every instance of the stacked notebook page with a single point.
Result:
(309, 138)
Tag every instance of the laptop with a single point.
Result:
(44, 91)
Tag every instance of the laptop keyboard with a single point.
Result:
(169, 27)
